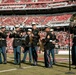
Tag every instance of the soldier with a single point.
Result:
(53, 40)
(16, 44)
(35, 37)
(47, 47)
(3, 44)
(27, 46)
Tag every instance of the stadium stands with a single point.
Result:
(12, 4)
(32, 1)
(22, 1)
(10, 1)
(63, 38)
(40, 20)
(27, 20)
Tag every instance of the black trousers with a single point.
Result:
(74, 55)
(47, 58)
(34, 54)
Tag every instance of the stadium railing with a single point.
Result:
(33, 5)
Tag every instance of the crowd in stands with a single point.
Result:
(13, 4)
(11, 1)
(27, 20)
(63, 38)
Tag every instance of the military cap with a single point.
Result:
(21, 26)
(51, 30)
(17, 26)
(33, 23)
(2, 27)
(30, 30)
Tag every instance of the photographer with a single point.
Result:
(17, 43)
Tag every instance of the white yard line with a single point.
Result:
(14, 69)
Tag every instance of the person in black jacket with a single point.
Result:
(3, 44)
(52, 40)
(74, 51)
(17, 43)
(27, 46)
(47, 47)
(35, 36)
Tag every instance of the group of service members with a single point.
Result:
(30, 41)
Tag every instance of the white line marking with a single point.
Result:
(14, 69)
(8, 70)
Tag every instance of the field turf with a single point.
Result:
(61, 67)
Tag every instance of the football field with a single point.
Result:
(61, 67)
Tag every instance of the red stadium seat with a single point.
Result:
(8, 1)
(27, 20)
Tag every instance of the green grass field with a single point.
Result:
(61, 67)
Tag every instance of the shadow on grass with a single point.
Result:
(41, 62)
(40, 65)
(31, 64)
(27, 63)
(58, 64)
(10, 62)
(66, 65)
(62, 63)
